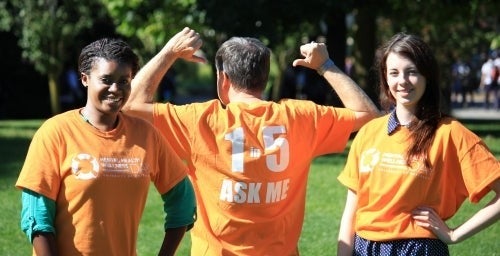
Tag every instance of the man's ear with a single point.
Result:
(223, 87)
(225, 80)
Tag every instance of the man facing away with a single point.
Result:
(249, 158)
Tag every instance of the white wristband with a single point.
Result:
(328, 64)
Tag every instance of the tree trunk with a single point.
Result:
(365, 38)
(336, 37)
(276, 84)
(55, 103)
(336, 42)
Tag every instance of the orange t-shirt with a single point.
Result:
(388, 190)
(99, 180)
(249, 166)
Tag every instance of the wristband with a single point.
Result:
(328, 64)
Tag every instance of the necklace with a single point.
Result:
(84, 117)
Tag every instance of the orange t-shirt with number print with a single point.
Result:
(249, 165)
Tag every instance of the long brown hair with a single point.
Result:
(428, 113)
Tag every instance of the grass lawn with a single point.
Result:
(325, 201)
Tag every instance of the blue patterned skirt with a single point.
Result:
(409, 247)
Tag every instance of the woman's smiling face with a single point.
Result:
(108, 85)
(405, 82)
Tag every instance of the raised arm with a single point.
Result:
(144, 85)
(352, 96)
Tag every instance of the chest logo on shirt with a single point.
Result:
(388, 162)
(369, 159)
(84, 166)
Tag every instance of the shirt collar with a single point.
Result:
(393, 122)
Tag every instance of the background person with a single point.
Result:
(249, 158)
(88, 171)
(490, 74)
(462, 93)
(410, 170)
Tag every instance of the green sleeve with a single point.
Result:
(179, 204)
(37, 214)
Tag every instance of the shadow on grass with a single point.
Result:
(483, 127)
(488, 130)
(12, 154)
(33, 126)
(15, 137)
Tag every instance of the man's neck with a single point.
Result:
(249, 99)
(245, 97)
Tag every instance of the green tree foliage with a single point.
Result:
(6, 19)
(47, 30)
(454, 29)
(283, 25)
(149, 24)
(280, 24)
